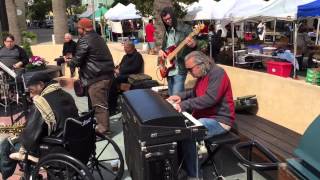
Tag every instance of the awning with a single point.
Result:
(309, 10)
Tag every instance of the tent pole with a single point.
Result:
(317, 39)
(274, 30)
(93, 15)
(295, 48)
(232, 34)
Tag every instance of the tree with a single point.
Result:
(59, 20)
(13, 20)
(39, 9)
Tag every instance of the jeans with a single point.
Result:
(7, 165)
(189, 149)
(176, 83)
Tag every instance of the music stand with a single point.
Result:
(14, 75)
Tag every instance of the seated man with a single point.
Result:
(69, 50)
(210, 101)
(52, 106)
(11, 54)
(131, 63)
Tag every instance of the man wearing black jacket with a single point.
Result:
(68, 51)
(131, 63)
(96, 70)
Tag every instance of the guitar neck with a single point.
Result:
(179, 48)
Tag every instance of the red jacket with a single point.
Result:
(150, 33)
(211, 97)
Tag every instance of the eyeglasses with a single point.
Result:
(191, 68)
(9, 41)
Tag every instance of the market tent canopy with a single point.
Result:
(280, 9)
(243, 8)
(309, 10)
(202, 10)
(122, 12)
(98, 13)
(113, 12)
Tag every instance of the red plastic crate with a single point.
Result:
(282, 69)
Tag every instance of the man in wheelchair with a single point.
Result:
(52, 106)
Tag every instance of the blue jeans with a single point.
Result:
(189, 149)
(176, 83)
(7, 165)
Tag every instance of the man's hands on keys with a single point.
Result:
(175, 101)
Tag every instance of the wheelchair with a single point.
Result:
(79, 153)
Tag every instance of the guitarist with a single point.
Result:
(174, 34)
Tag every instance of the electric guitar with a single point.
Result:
(165, 65)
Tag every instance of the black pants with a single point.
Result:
(114, 93)
(60, 61)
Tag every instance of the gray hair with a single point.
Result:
(68, 34)
(201, 59)
(129, 43)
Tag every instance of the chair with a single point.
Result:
(215, 143)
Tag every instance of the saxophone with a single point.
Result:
(14, 129)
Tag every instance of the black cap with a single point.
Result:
(39, 77)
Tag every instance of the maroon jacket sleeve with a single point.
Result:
(218, 84)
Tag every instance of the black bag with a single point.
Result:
(79, 89)
(144, 84)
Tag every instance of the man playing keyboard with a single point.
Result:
(210, 101)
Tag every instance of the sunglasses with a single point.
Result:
(191, 68)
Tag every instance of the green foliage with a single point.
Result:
(27, 38)
(39, 9)
(79, 9)
(146, 7)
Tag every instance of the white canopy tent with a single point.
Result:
(113, 12)
(202, 10)
(280, 9)
(121, 12)
(244, 8)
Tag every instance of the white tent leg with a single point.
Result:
(295, 48)
(232, 34)
(317, 39)
(274, 30)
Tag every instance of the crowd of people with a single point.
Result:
(210, 101)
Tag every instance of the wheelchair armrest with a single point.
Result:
(273, 165)
(52, 140)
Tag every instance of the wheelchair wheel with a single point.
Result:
(59, 166)
(107, 161)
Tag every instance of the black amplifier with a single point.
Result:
(153, 120)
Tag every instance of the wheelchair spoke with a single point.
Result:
(103, 149)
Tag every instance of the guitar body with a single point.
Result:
(165, 68)
(165, 65)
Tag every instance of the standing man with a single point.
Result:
(96, 70)
(150, 37)
(175, 33)
(210, 101)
